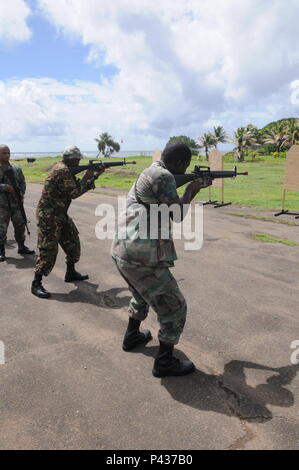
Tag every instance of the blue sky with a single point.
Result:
(49, 54)
(143, 71)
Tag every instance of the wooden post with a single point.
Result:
(284, 199)
(216, 164)
(291, 181)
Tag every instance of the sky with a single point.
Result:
(142, 70)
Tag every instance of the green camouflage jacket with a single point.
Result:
(155, 186)
(60, 188)
(5, 196)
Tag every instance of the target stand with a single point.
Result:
(210, 199)
(222, 203)
(216, 164)
(286, 212)
(291, 182)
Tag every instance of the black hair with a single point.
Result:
(176, 151)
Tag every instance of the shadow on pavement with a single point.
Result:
(228, 393)
(10, 244)
(26, 262)
(87, 292)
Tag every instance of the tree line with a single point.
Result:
(275, 138)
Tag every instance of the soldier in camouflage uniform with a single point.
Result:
(144, 262)
(9, 209)
(55, 227)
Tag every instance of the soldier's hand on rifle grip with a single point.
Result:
(200, 183)
(206, 181)
(99, 172)
(94, 173)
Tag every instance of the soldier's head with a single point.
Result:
(177, 157)
(71, 155)
(4, 154)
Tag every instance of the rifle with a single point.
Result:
(11, 176)
(207, 173)
(97, 166)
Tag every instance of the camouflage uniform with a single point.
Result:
(144, 263)
(55, 227)
(9, 209)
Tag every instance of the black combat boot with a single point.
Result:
(133, 337)
(2, 253)
(72, 275)
(24, 250)
(165, 364)
(38, 289)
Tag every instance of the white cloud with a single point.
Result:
(181, 65)
(295, 93)
(210, 123)
(13, 20)
(45, 114)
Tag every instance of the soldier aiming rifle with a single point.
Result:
(55, 227)
(145, 262)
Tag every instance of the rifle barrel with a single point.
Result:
(109, 164)
(93, 166)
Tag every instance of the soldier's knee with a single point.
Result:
(48, 254)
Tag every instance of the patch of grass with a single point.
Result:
(261, 217)
(262, 188)
(263, 237)
(38, 171)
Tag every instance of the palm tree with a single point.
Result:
(278, 136)
(106, 144)
(244, 138)
(293, 131)
(220, 135)
(207, 141)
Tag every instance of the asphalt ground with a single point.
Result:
(67, 384)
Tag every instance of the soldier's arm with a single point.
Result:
(166, 192)
(73, 186)
(193, 188)
(85, 184)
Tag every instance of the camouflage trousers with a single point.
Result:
(52, 232)
(13, 214)
(157, 288)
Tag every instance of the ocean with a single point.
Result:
(87, 154)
